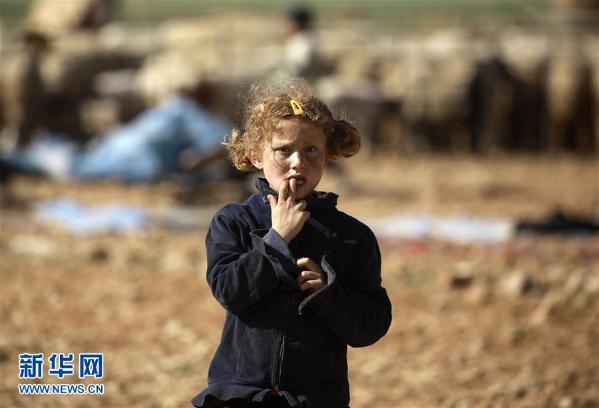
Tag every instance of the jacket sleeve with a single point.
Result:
(239, 274)
(358, 310)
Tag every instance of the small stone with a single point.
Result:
(461, 280)
(99, 254)
(461, 275)
(574, 284)
(571, 377)
(479, 294)
(565, 402)
(592, 285)
(4, 355)
(590, 403)
(32, 246)
(517, 335)
(516, 284)
(545, 309)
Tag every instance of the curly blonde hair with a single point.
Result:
(270, 102)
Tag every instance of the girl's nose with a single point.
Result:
(297, 160)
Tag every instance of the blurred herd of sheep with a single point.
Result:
(533, 88)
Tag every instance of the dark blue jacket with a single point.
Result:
(275, 336)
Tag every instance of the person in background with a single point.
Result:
(300, 58)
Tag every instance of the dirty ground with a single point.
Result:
(512, 324)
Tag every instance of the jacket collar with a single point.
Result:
(318, 200)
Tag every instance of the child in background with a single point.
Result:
(300, 47)
(301, 57)
(300, 280)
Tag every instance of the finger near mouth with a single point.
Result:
(298, 180)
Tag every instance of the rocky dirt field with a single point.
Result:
(510, 324)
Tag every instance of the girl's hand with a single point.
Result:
(288, 216)
(311, 278)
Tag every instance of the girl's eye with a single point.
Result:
(311, 149)
(283, 150)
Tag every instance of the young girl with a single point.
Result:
(300, 280)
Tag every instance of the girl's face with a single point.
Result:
(297, 150)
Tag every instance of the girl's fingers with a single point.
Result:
(283, 191)
(301, 205)
(312, 285)
(292, 185)
(302, 262)
(308, 264)
(272, 201)
(306, 276)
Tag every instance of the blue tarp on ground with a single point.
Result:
(141, 151)
(82, 220)
(466, 230)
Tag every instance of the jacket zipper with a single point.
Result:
(277, 373)
(281, 356)
(278, 366)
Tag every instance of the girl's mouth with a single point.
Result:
(299, 180)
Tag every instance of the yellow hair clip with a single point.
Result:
(297, 108)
